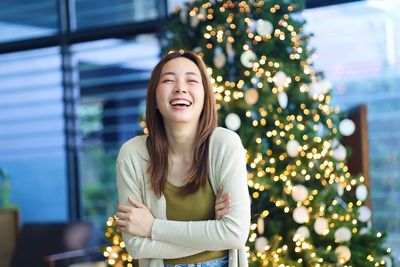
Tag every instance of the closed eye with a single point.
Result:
(193, 81)
(167, 81)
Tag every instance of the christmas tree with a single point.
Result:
(116, 253)
(307, 209)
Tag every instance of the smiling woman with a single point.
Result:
(185, 161)
(180, 92)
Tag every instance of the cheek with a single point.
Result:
(201, 98)
(160, 94)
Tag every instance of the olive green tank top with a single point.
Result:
(197, 206)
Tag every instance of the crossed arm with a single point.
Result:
(136, 219)
(149, 237)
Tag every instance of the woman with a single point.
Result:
(168, 180)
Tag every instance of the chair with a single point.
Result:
(54, 244)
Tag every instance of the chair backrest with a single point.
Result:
(38, 240)
(9, 227)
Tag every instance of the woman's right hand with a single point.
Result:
(222, 203)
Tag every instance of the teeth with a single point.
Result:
(180, 103)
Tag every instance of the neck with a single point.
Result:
(181, 138)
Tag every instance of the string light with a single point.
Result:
(310, 121)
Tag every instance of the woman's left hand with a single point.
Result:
(135, 219)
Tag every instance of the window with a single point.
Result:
(113, 84)
(38, 130)
(32, 133)
(29, 19)
(357, 50)
(97, 13)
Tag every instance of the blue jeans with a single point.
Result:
(218, 262)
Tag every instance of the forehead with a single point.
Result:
(180, 65)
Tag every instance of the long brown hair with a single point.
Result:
(157, 141)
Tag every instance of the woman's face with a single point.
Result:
(180, 92)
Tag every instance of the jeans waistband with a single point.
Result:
(214, 262)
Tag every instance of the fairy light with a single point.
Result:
(274, 166)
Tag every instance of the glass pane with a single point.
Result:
(90, 14)
(27, 19)
(113, 81)
(32, 133)
(357, 48)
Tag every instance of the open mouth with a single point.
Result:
(181, 103)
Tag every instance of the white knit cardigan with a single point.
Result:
(175, 239)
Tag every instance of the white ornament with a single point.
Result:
(364, 231)
(321, 226)
(183, 14)
(300, 214)
(194, 21)
(252, 25)
(343, 234)
(340, 153)
(364, 214)
(283, 99)
(347, 127)
(280, 79)
(264, 27)
(335, 143)
(302, 232)
(327, 85)
(203, 12)
(388, 261)
(248, 58)
(232, 121)
(219, 58)
(260, 226)
(251, 96)
(361, 192)
(321, 130)
(299, 193)
(229, 51)
(261, 243)
(319, 88)
(344, 253)
(340, 190)
(292, 148)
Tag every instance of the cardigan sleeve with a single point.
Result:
(231, 232)
(138, 247)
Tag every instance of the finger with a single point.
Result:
(122, 215)
(123, 208)
(223, 205)
(223, 212)
(219, 201)
(135, 203)
(223, 201)
(225, 197)
(121, 223)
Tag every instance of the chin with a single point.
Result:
(188, 120)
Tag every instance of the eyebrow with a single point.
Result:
(173, 73)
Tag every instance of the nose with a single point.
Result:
(180, 88)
